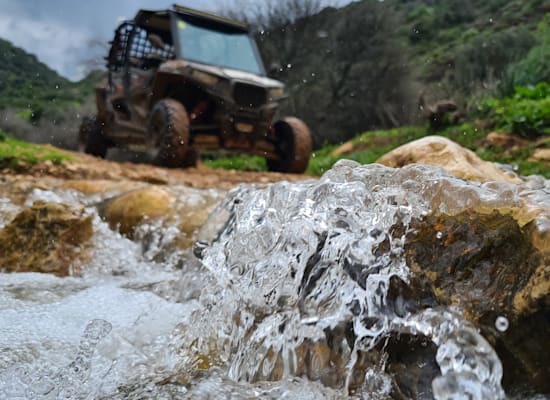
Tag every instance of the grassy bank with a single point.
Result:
(15, 153)
(370, 146)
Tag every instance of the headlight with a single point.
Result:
(205, 78)
(276, 93)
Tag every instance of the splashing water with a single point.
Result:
(297, 263)
(302, 291)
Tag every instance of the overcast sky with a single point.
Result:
(59, 32)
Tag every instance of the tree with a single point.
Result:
(272, 14)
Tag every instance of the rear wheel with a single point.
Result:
(91, 139)
(295, 146)
(168, 134)
(191, 158)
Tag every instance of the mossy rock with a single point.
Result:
(46, 237)
(489, 266)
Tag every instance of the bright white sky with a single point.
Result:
(59, 32)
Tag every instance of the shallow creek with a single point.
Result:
(291, 291)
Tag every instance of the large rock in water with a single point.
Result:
(46, 237)
(443, 152)
(374, 277)
(498, 273)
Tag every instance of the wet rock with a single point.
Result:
(440, 151)
(179, 211)
(387, 281)
(127, 211)
(490, 267)
(46, 237)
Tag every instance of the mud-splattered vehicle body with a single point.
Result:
(182, 80)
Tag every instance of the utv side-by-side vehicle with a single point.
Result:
(182, 80)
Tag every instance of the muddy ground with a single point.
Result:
(86, 167)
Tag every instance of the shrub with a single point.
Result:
(484, 59)
(525, 114)
(534, 67)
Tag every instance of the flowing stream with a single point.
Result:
(288, 293)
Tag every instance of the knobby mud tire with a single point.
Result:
(295, 146)
(91, 139)
(168, 134)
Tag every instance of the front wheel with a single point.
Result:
(91, 139)
(294, 145)
(168, 134)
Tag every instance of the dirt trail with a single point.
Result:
(83, 166)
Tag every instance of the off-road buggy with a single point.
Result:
(182, 80)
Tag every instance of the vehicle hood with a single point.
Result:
(227, 73)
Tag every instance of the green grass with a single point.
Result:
(370, 146)
(241, 163)
(14, 152)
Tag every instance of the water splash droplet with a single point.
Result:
(501, 323)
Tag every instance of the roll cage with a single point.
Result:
(131, 44)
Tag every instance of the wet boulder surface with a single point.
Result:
(489, 267)
(46, 237)
(398, 282)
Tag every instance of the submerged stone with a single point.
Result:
(46, 237)
(127, 211)
(161, 217)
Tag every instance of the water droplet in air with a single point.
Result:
(501, 323)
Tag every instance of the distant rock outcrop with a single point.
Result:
(443, 152)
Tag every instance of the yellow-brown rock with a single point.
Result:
(344, 148)
(46, 237)
(541, 155)
(443, 152)
(489, 266)
(505, 140)
(128, 210)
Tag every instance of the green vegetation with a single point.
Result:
(29, 85)
(15, 153)
(359, 68)
(241, 163)
(375, 59)
(38, 105)
(527, 113)
(370, 146)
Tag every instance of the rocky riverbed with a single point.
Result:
(127, 281)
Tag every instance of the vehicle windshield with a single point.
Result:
(225, 49)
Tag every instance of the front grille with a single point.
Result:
(246, 95)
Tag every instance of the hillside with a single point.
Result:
(368, 65)
(365, 66)
(25, 82)
(36, 103)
